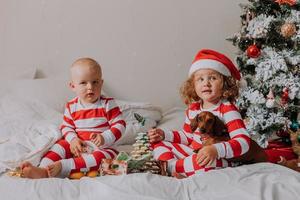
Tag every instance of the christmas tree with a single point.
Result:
(142, 154)
(141, 157)
(269, 60)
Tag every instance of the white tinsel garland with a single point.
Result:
(269, 64)
(255, 117)
(296, 37)
(259, 26)
(259, 118)
(294, 17)
(291, 57)
(253, 96)
(274, 118)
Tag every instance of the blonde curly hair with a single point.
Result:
(230, 90)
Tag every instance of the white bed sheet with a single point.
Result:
(259, 181)
(251, 182)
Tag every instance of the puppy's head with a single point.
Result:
(209, 124)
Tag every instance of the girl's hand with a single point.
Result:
(156, 135)
(97, 139)
(207, 155)
(76, 146)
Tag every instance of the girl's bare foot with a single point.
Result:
(30, 171)
(54, 169)
(178, 176)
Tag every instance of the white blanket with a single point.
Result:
(27, 129)
(260, 181)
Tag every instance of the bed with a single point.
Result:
(29, 120)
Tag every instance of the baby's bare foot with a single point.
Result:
(54, 169)
(25, 164)
(30, 171)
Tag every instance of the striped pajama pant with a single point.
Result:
(86, 162)
(182, 158)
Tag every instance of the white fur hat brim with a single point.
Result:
(209, 64)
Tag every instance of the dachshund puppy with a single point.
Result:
(213, 130)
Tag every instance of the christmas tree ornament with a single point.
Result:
(253, 51)
(288, 29)
(270, 103)
(249, 16)
(284, 96)
(289, 2)
(140, 119)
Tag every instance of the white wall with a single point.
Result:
(144, 46)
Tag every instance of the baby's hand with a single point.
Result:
(97, 139)
(156, 135)
(207, 155)
(76, 146)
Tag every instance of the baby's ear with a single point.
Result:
(71, 85)
(194, 123)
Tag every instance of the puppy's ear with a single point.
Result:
(219, 127)
(194, 123)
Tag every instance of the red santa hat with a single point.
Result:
(209, 59)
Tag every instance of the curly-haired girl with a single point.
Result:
(212, 85)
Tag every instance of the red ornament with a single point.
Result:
(253, 51)
(285, 96)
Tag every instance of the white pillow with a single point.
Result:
(172, 119)
(151, 113)
(9, 76)
(52, 92)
